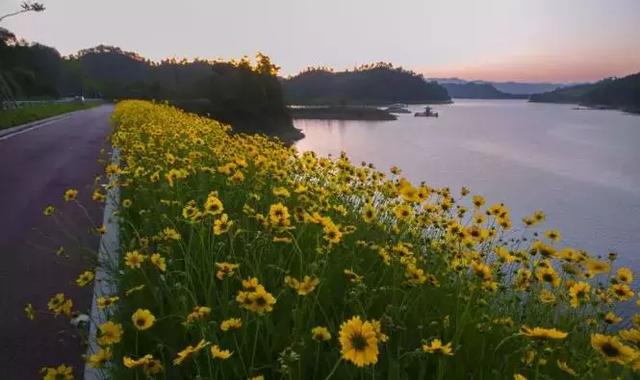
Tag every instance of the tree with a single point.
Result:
(25, 7)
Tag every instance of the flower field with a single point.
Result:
(242, 258)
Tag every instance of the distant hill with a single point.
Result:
(472, 90)
(379, 83)
(515, 88)
(523, 88)
(621, 93)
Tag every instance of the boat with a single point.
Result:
(397, 108)
(428, 112)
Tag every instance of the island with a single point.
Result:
(373, 84)
(341, 113)
(614, 93)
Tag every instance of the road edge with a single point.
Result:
(108, 255)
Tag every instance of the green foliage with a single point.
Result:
(618, 93)
(379, 83)
(27, 114)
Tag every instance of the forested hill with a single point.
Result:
(622, 93)
(379, 83)
(241, 93)
(472, 90)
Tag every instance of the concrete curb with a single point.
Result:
(108, 256)
(7, 132)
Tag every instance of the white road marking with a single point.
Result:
(38, 126)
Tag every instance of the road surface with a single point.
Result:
(36, 167)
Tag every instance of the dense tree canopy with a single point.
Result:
(613, 92)
(242, 93)
(379, 83)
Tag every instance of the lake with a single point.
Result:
(582, 167)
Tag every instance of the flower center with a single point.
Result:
(610, 350)
(358, 342)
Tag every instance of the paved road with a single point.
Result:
(36, 168)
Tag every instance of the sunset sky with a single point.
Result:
(524, 40)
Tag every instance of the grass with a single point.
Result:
(28, 113)
(242, 258)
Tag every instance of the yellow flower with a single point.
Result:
(625, 275)
(225, 270)
(436, 347)
(222, 224)
(84, 278)
(595, 267)
(332, 233)
(279, 215)
(304, 287)
(542, 333)
(261, 301)
(104, 302)
(517, 376)
(62, 372)
(134, 363)
(622, 292)
(60, 305)
(548, 275)
(408, 193)
(631, 335)
(49, 210)
(611, 318)
(218, 353)
(171, 234)
(358, 342)
(134, 259)
(110, 333)
(482, 270)
(189, 351)
(98, 196)
(70, 195)
(159, 262)
(547, 297)
(353, 276)
(191, 212)
(553, 235)
(231, 324)
(153, 367)
(565, 367)
(28, 312)
(579, 292)
(143, 319)
(281, 192)
(612, 350)
(368, 213)
(199, 312)
(98, 359)
(478, 201)
(320, 333)
(403, 212)
(127, 203)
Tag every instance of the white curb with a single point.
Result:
(108, 255)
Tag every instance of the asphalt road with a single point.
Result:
(36, 167)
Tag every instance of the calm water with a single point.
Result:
(581, 167)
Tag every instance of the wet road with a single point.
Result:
(36, 167)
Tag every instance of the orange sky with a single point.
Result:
(539, 69)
